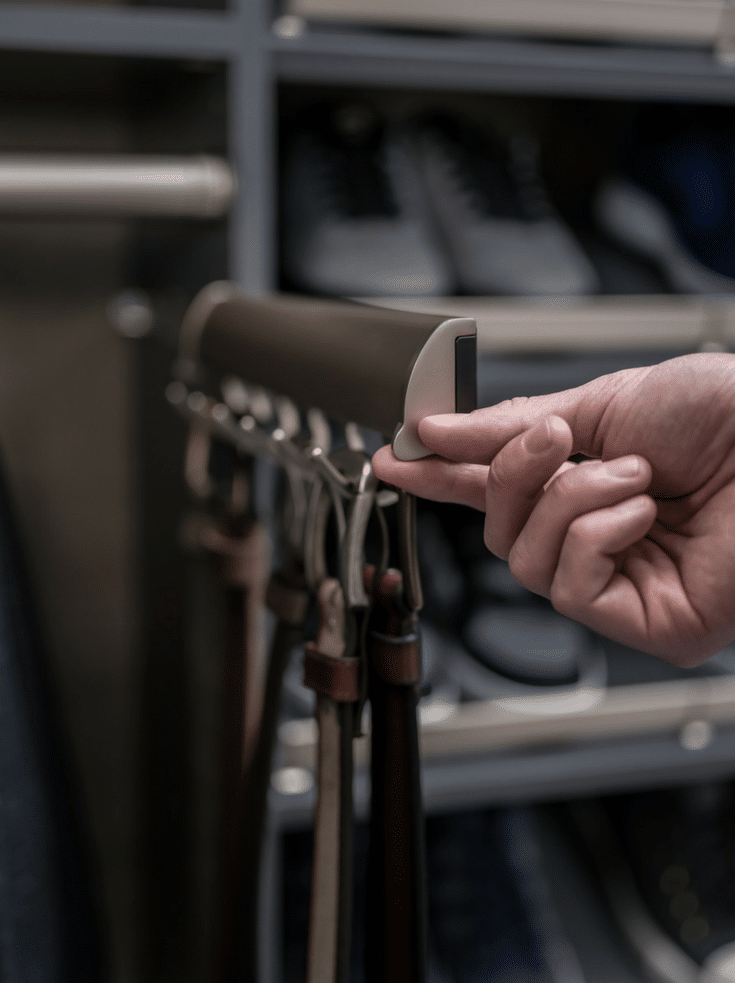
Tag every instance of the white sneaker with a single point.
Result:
(354, 213)
(500, 228)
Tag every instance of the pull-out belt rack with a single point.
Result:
(276, 377)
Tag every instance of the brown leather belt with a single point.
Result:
(334, 673)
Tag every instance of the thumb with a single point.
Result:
(475, 438)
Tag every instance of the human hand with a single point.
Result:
(638, 543)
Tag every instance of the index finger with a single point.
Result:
(478, 436)
(434, 478)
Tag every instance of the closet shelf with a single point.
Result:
(549, 773)
(370, 57)
(687, 21)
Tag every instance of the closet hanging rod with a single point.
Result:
(53, 184)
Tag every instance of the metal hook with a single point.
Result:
(319, 430)
(353, 437)
(331, 475)
(288, 417)
(315, 535)
(345, 477)
(261, 405)
(196, 455)
(235, 394)
(353, 551)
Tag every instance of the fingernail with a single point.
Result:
(624, 467)
(538, 439)
(632, 507)
(442, 419)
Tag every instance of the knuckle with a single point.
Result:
(563, 487)
(494, 540)
(522, 567)
(517, 564)
(453, 484)
(581, 532)
(564, 600)
(513, 404)
(557, 494)
(578, 487)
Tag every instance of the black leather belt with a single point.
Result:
(396, 905)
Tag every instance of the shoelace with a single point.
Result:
(353, 179)
(524, 163)
(494, 182)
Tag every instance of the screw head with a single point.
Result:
(131, 313)
(292, 781)
(289, 26)
(696, 735)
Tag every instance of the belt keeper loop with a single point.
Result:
(397, 660)
(336, 678)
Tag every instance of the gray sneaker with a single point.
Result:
(355, 217)
(636, 218)
(498, 223)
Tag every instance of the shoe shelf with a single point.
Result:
(703, 21)
(515, 749)
(535, 721)
(352, 56)
(588, 324)
(340, 56)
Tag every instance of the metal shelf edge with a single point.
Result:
(543, 774)
(136, 32)
(500, 64)
(484, 727)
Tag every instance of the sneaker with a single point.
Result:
(50, 913)
(518, 635)
(527, 644)
(667, 864)
(354, 214)
(490, 911)
(673, 202)
(494, 213)
(639, 220)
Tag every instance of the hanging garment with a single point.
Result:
(49, 931)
